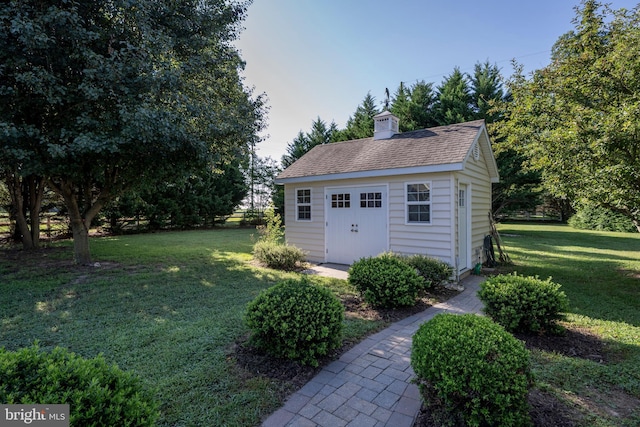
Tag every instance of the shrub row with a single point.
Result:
(590, 217)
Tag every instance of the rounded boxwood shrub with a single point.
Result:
(471, 371)
(296, 320)
(98, 394)
(433, 270)
(523, 304)
(386, 281)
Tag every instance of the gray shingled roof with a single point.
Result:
(428, 147)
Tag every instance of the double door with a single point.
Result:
(357, 224)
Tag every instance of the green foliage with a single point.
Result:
(386, 281)
(98, 394)
(486, 88)
(524, 304)
(454, 100)
(100, 99)
(296, 320)
(590, 217)
(270, 248)
(577, 119)
(433, 270)
(360, 125)
(520, 188)
(278, 255)
(474, 369)
(414, 106)
(301, 144)
(272, 230)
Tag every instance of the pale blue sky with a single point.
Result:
(321, 57)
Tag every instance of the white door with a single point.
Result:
(356, 223)
(463, 227)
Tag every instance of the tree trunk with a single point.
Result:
(79, 221)
(15, 190)
(34, 192)
(79, 226)
(81, 251)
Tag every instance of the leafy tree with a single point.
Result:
(265, 190)
(101, 97)
(360, 125)
(196, 200)
(26, 194)
(579, 117)
(454, 100)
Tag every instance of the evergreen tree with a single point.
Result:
(423, 99)
(360, 125)
(401, 108)
(486, 88)
(454, 100)
(303, 142)
(295, 149)
(414, 106)
(320, 133)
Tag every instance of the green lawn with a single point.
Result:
(168, 306)
(600, 273)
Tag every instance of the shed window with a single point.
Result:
(370, 200)
(303, 204)
(418, 203)
(341, 200)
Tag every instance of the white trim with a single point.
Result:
(469, 217)
(372, 173)
(310, 204)
(429, 184)
(491, 164)
(454, 225)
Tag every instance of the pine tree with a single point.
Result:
(486, 88)
(454, 100)
(360, 125)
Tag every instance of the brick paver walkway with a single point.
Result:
(370, 385)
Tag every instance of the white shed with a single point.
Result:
(421, 192)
